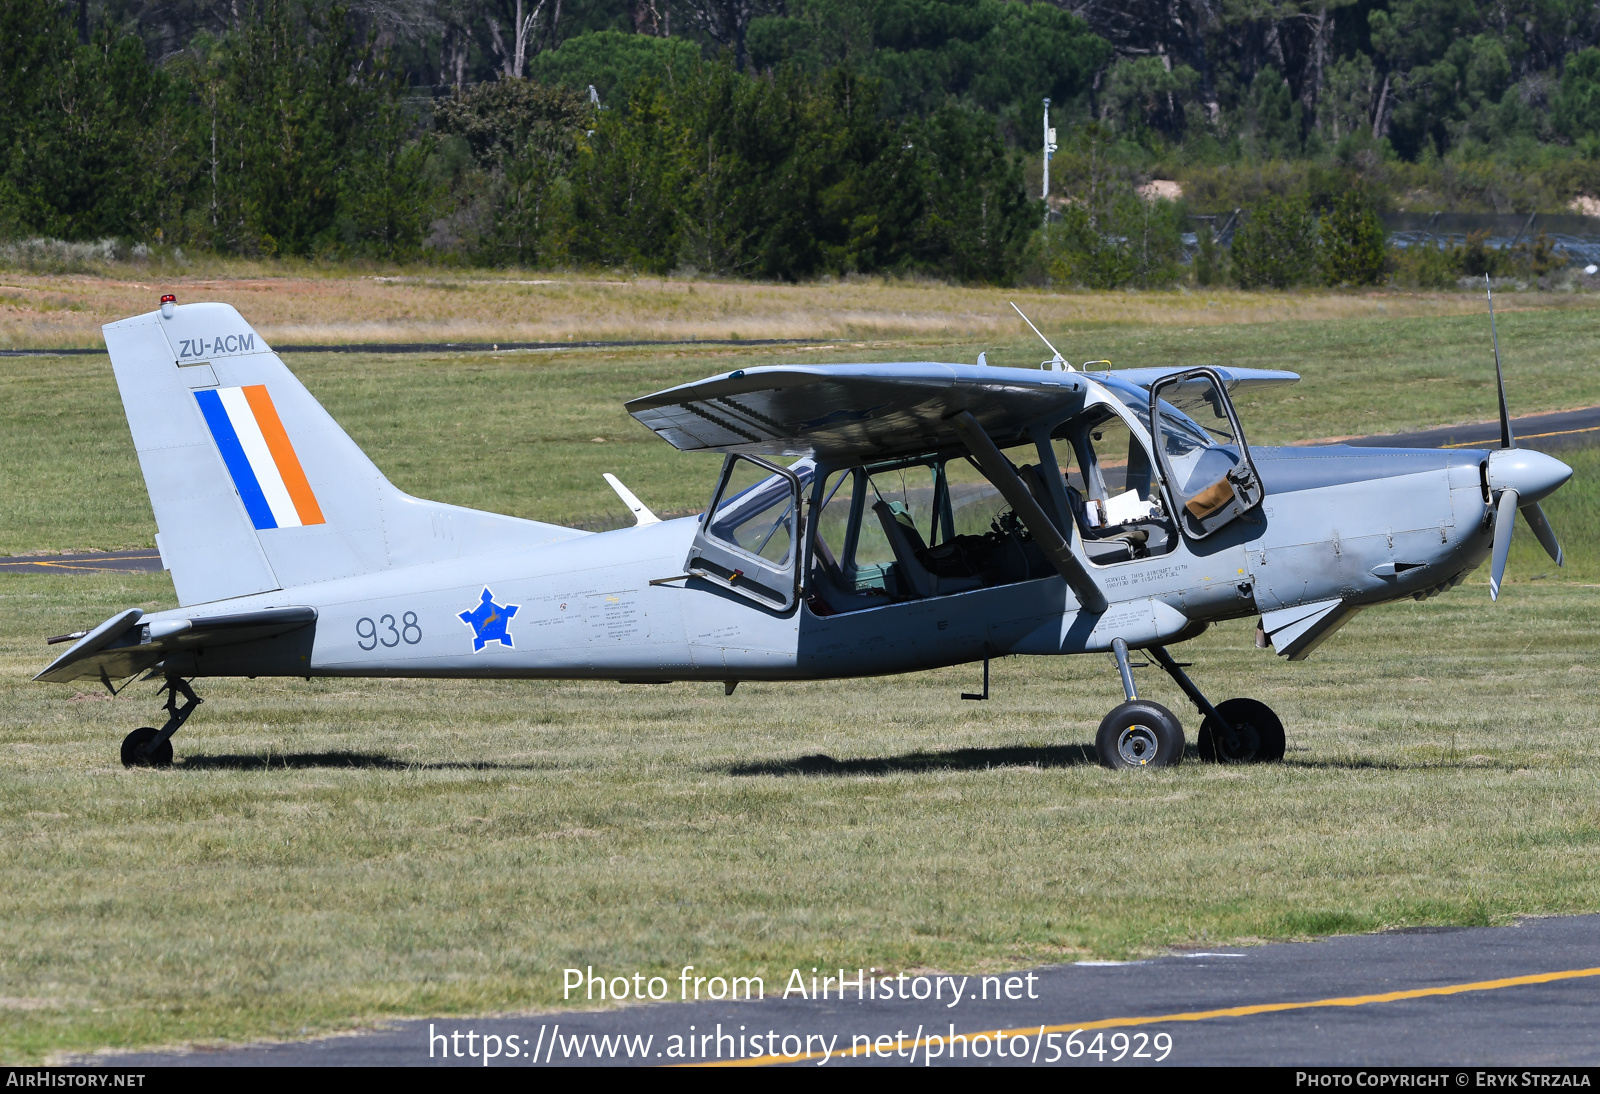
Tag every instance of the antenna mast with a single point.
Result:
(1058, 362)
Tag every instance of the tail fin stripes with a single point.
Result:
(255, 487)
(259, 457)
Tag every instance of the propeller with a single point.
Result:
(1522, 479)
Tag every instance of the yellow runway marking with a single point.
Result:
(1529, 437)
(1195, 1015)
(86, 564)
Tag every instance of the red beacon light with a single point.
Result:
(167, 303)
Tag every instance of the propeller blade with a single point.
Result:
(1541, 528)
(1506, 440)
(1505, 519)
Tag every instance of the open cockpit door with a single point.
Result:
(749, 539)
(1202, 451)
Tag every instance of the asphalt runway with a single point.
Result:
(1524, 995)
(145, 560)
(1546, 432)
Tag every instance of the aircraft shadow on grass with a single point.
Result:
(963, 759)
(960, 759)
(304, 760)
(980, 759)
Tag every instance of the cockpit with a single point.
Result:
(872, 533)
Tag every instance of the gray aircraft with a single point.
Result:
(868, 519)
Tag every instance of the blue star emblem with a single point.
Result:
(489, 622)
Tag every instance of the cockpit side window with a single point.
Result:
(1116, 505)
(747, 540)
(915, 529)
(756, 512)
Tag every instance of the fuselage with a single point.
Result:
(1361, 525)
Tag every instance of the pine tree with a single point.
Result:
(1276, 244)
(1351, 242)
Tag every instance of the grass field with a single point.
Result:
(335, 852)
(294, 304)
(531, 433)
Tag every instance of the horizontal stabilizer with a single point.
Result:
(127, 643)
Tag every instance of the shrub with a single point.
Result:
(1276, 244)
(1426, 266)
(1350, 242)
(1123, 242)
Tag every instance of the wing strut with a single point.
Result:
(998, 470)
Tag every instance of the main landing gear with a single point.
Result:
(1140, 733)
(150, 747)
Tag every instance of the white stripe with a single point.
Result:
(260, 457)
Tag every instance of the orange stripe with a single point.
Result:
(294, 479)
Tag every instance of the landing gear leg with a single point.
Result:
(150, 747)
(1236, 731)
(1138, 733)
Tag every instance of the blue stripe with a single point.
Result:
(244, 477)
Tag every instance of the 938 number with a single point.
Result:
(387, 631)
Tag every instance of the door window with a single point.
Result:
(756, 512)
(747, 540)
(1202, 451)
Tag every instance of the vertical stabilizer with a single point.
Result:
(254, 486)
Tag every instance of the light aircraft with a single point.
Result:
(868, 519)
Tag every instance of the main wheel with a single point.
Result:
(1256, 737)
(133, 743)
(1139, 733)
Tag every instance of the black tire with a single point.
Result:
(1139, 734)
(1257, 734)
(132, 756)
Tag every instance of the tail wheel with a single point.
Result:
(1139, 734)
(1256, 737)
(133, 754)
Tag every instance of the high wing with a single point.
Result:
(122, 645)
(853, 411)
(1235, 379)
(879, 411)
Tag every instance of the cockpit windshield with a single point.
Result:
(1173, 419)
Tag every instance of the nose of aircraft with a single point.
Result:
(1533, 475)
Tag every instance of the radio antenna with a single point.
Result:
(1058, 361)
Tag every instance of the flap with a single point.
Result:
(1273, 622)
(1296, 632)
(133, 648)
(855, 412)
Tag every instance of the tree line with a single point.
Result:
(786, 139)
(292, 133)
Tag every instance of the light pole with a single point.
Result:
(1049, 147)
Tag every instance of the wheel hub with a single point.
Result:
(1242, 744)
(1137, 745)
